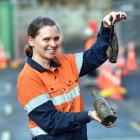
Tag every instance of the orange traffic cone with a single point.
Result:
(131, 58)
(100, 78)
(89, 42)
(15, 63)
(3, 59)
(105, 76)
(118, 90)
(113, 89)
(121, 63)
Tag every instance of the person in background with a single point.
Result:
(91, 32)
(48, 85)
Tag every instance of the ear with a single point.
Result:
(31, 41)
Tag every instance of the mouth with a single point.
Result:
(51, 51)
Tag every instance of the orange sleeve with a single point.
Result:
(28, 88)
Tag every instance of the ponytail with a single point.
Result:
(28, 50)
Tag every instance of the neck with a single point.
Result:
(43, 62)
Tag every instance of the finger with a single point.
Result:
(121, 15)
(114, 17)
(118, 17)
(108, 20)
(124, 15)
(98, 120)
(96, 117)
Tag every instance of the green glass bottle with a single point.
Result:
(103, 109)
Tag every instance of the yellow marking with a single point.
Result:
(135, 125)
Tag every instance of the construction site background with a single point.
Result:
(118, 83)
(72, 17)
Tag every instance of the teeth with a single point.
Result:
(51, 51)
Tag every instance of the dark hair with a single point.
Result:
(33, 29)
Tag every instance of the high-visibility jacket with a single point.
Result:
(51, 97)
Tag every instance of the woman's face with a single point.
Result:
(46, 43)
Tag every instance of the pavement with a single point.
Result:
(127, 126)
(13, 122)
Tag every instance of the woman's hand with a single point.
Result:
(94, 116)
(113, 18)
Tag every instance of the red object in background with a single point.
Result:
(93, 26)
(92, 39)
(89, 42)
(131, 57)
(3, 59)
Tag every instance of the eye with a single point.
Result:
(56, 38)
(46, 39)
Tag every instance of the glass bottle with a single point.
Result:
(103, 109)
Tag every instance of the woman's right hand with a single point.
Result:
(93, 115)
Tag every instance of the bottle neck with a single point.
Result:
(94, 95)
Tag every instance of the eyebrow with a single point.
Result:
(46, 38)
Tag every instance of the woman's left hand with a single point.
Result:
(113, 17)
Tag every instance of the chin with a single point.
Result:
(50, 57)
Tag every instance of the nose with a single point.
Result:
(52, 43)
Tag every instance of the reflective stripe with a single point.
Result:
(58, 100)
(37, 131)
(66, 97)
(35, 102)
(79, 60)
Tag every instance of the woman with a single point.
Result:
(48, 85)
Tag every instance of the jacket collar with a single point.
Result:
(40, 68)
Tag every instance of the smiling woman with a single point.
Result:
(43, 41)
(48, 85)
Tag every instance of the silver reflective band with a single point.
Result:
(39, 100)
(79, 60)
(66, 97)
(37, 131)
(58, 100)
